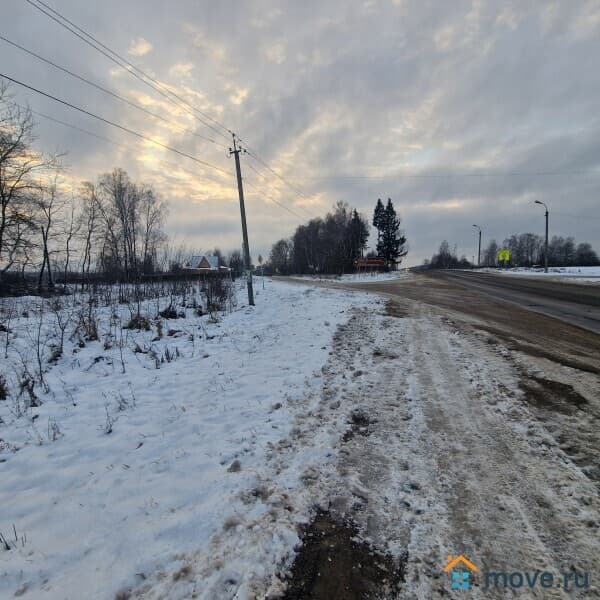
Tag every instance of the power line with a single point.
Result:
(450, 175)
(251, 152)
(102, 138)
(293, 212)
(117, 125)
(253, 186)
(125, 64)
(134, 70)
(261, 175)
(155, 81)
(71, 126)
(107, 91)
(125, 146)
(296, 188)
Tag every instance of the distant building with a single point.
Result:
(204, 263)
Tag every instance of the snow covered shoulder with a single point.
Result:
(144, 442)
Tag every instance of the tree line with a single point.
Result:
(113, 225)
(111, 228)
(332, 244)
(526, 250)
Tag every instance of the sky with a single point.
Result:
(461, 112)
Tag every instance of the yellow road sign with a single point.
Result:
(504, 255)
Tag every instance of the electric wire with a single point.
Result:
(125, 64)
(127, 147)
(117, 125)
(122, 62)
(249, 166)
(96, 43)
(110, 92)
(102, 138)
(268, 197)
(451, 175)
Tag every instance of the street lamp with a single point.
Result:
(546, 247)
(479, 247)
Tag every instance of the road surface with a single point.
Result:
(474, 425)
(577, 304)
(562, 325)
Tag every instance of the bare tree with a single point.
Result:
(90, 221)
(114, 192)
(153, 210)
(133, 217)
(71, 231)
(19, 167)
(49, 204)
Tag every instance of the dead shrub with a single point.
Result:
(171, 313)
(217, 292)
(138, 322)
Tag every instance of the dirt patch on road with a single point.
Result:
(334, 563)
(543, 352)
(395, 309)
(554, 395)
(576, 430)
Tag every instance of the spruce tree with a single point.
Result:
(391, 244)
(378, 217)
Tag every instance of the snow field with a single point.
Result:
(125, 468)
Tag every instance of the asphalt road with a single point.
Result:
(550, 319)
(575, 304)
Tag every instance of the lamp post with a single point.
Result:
(546, 245)
(479, 247)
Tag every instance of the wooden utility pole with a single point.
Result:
(236, 152)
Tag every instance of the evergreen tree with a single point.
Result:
(378, 218)
(392, 242)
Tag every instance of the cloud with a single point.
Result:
(455, 111)
(181, 69)
(238, 96)
(139, 47)
(276, 53)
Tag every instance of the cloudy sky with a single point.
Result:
(461, 112)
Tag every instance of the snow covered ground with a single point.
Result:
(362, 277)
(182, 466)
(579, 274)
(146, 452)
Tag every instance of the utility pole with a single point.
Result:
(546, 244)
(236, 152)
(479, 247)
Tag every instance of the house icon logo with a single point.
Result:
(460, 568)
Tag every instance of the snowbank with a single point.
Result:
(581, 274)
(362, 277)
